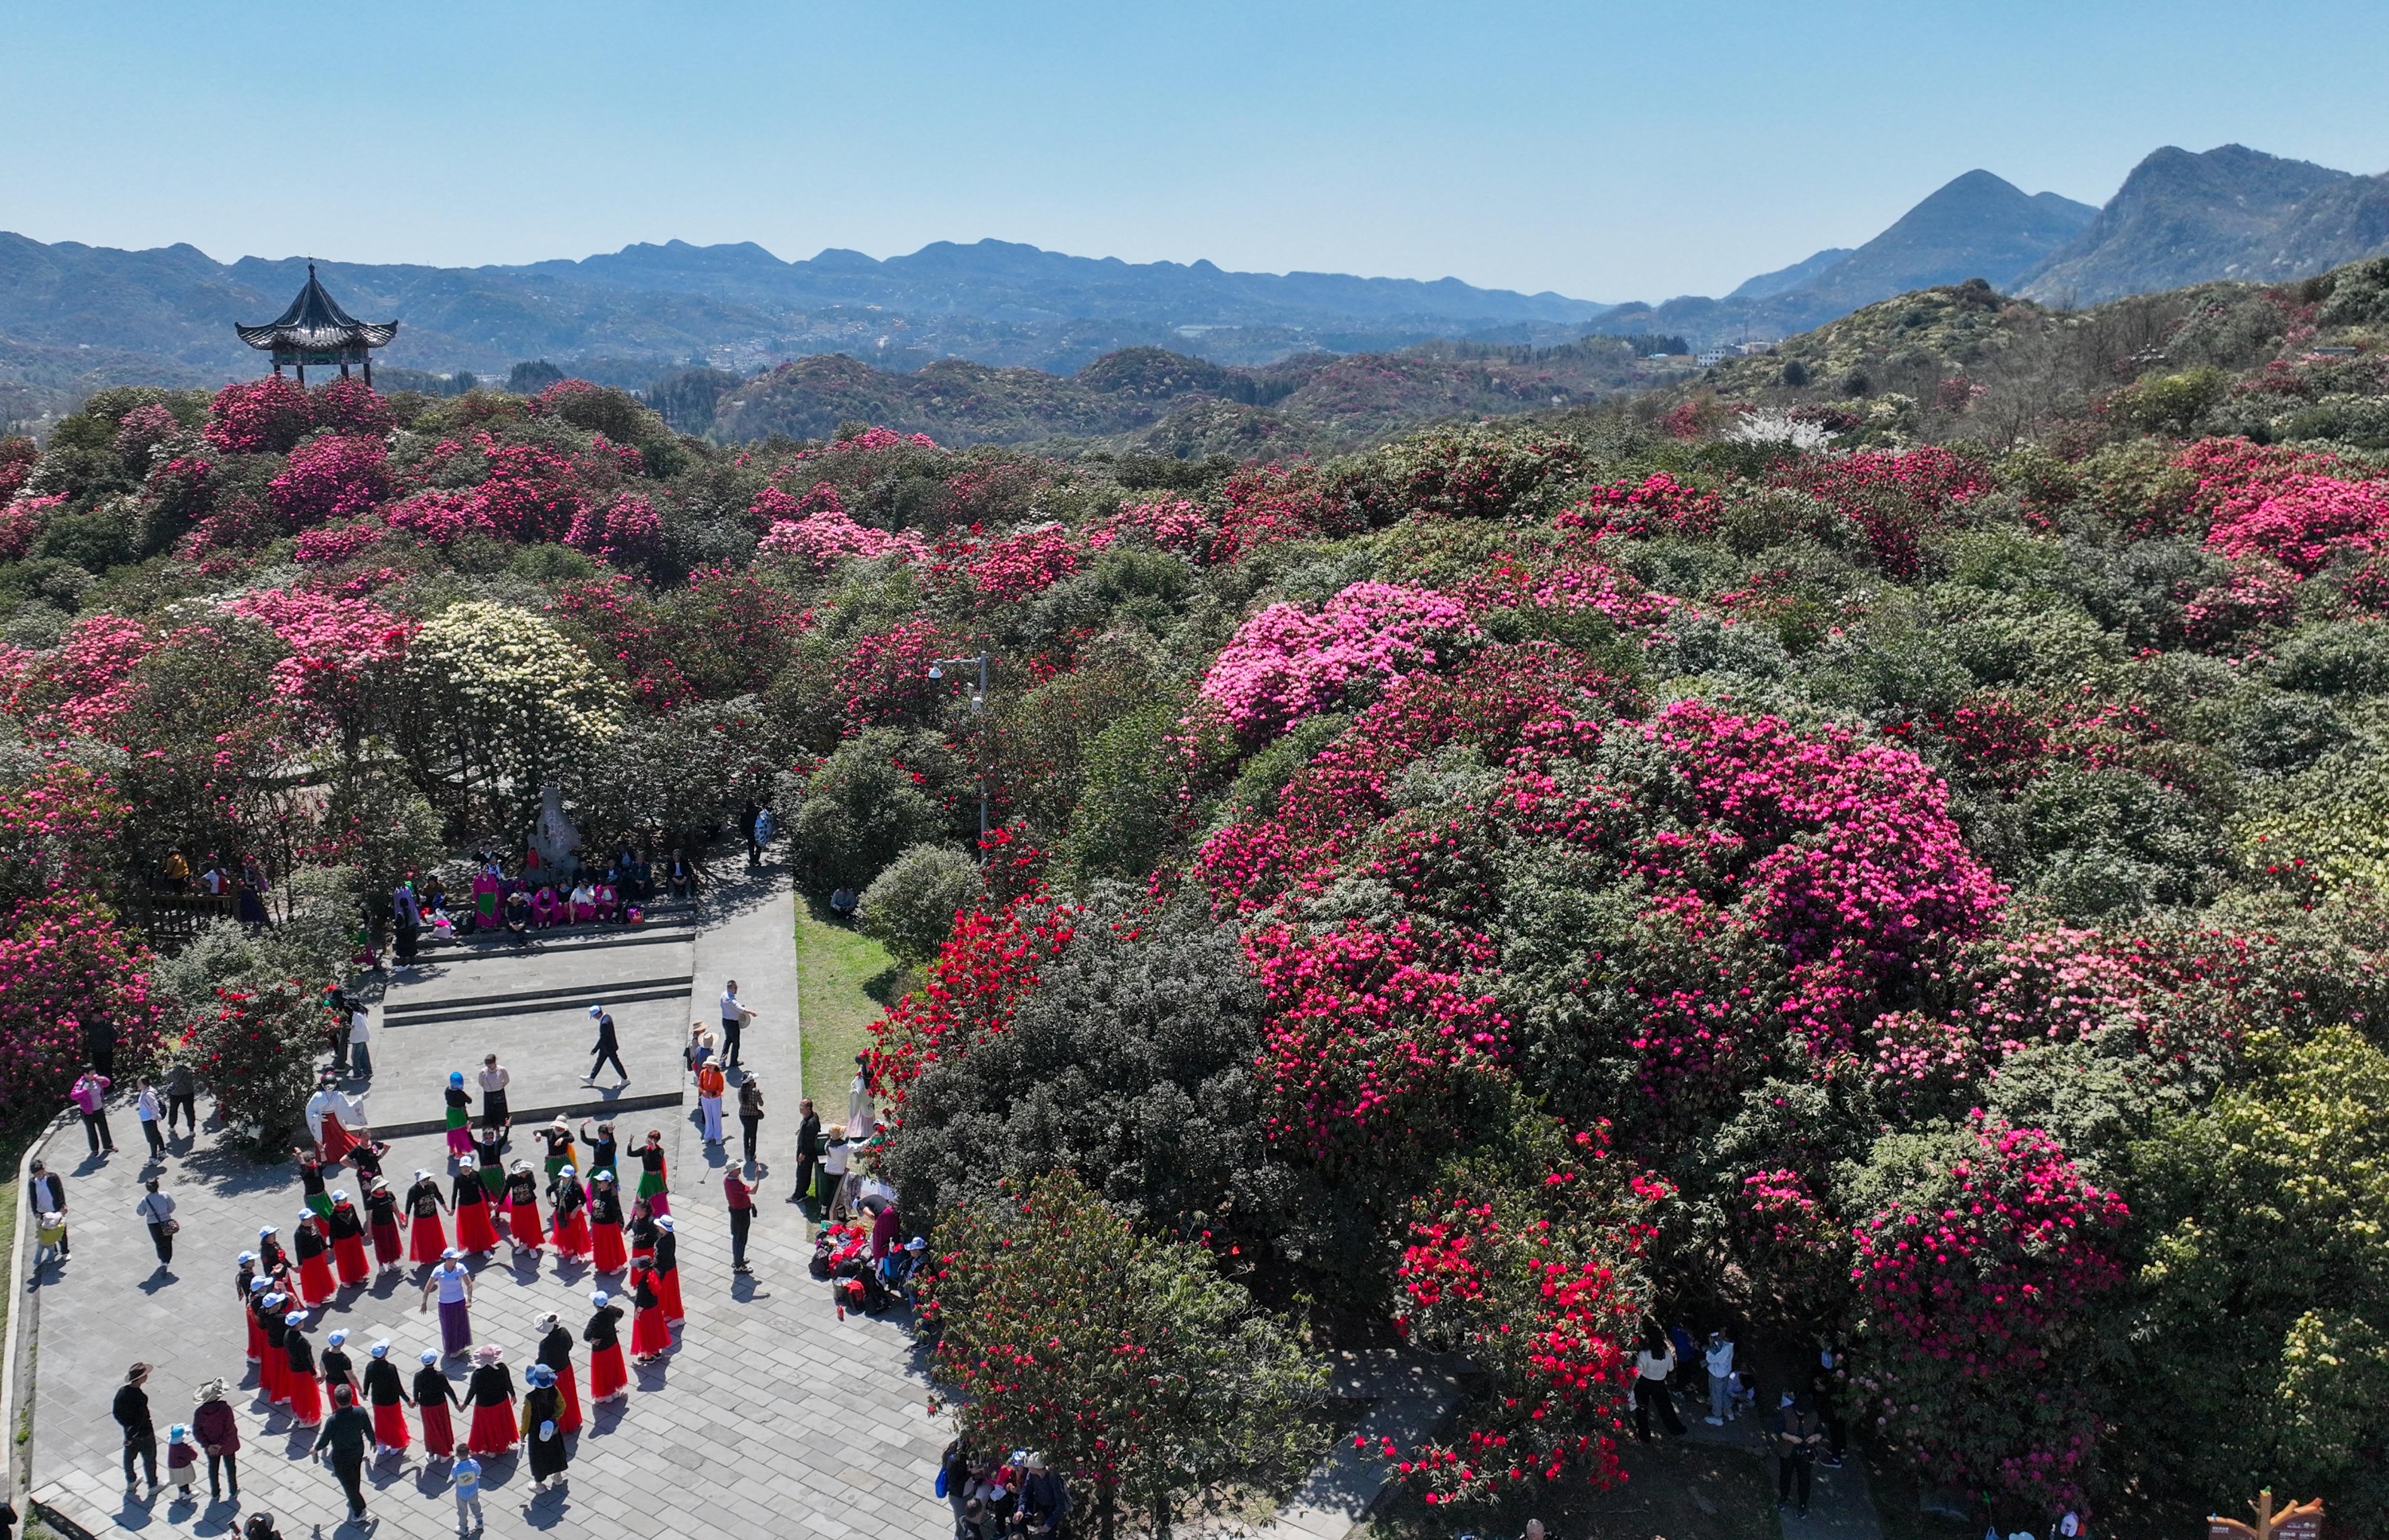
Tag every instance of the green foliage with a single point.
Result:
(2360, 295)
(1140, 1373)
(2261, 1355)
(910, 906)
(255, 1053)
(383, 826)
(2112, 842)
(867, 803)
(2338, 657)
(1129, 807)
(671, 775)
(2170, 403)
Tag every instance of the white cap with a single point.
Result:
(336, 1338)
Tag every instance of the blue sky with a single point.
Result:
(1609, 151)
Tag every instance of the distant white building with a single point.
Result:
(1709, 356)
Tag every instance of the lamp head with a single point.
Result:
(937, 670)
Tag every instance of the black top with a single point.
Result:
(493, 1385)
(365, 1158)
(667, 1249)
(601, 1151)
(277, 1330)
(302, 1356)
(604, 1330)
(309, 1243)
(808, 1135)
(431, 1385)
(606, 1032)
(242, 1281)
(644, 1231)
(315, 323)
(381, 1206)
(543, 1404)
(651, 1158)
(338, 1368)
(569, 1195)
(645, 1291)
(346, 1433)
(605, 1205)
(132, 1410)
(422, 1199)
(468, 1189)
(459, 1097)
(311, 1178)
(558, 1141)
(522, 1188)
(555, 1349)
(346, 1222)
(269, 1254)
(383, 1387)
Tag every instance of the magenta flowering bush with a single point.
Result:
(342, 654)
(262, 416)
(1012, 568)
(64, 961)
(1287, 663)
(337, 476)
(626, 529)
(815, 532)
(2302, 521)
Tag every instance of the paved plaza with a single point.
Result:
(773, 1418)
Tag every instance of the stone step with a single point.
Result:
(525, 1002)
(551, 942)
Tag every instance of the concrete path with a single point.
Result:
(1412, 1397)
(775, 1417)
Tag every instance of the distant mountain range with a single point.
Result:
(75, 317)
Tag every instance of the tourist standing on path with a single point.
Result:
(347, 1436)
(555, 1352)
(542, 1428)
(427, 1240)
(132, 1411)
(608, 1378)
(433, 1397)
(494, 1080)
(833, 1172)
(1797, 1434)
(49, 1196)
(605, 1225)
(1719, 1359)
(360, 1041)
(735, 1017)
(711, 1085)
(751, 1114)
(149, 1109)
(808, 1147)
(219, 1435)
(740, 1194)
(1651, 1367)
(453, 1285)
(181, 1096)
(156, 1211)
(90, 1099)
(491, 1391)
(306, 1397)
(460, 1112)
(606, 1049)
(697, 1049)
(862, 1094)
(654, 1182)
(386, 1393)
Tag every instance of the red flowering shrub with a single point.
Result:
(332, 544)
(887, 678)
(1013, 567)
(343, 654)
(22, 521)
(2260, 594)
(978, 979)
(1268, 504)
(64, 961)
(2302, 521)
(16, 458)
(1172, 523)
(1895, 499)
(333, 476)
(626, 529)
(141, 430)
(350, 406)
(1658, 504)
(1975, 1289)
(260, 416)
(440, 517)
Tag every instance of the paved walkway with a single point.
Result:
(773, 1418)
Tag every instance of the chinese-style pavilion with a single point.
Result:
(316, 330)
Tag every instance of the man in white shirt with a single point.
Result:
(360, 1049)
(735, 1017)
(1718, 1356)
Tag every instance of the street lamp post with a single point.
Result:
(979, 709)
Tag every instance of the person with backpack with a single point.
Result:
(1798, 1433)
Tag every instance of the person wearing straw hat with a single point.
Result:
(433, 1395)
(522, 1207)
(542, 1428)
(606, 1049)
(453, 1284)
(556, 1355)
(381, 1221)
(491, 1391)
(609, 1378)
(605, 1225)
(219, 1435)
(314, 1252)
(427, 1238)
(348, 1232)
(570, 1224)
(387, 1394)
(306, 1396)
(711, 1085)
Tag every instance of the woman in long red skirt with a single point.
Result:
(605, 1225)
(433, 1397)
(491, 1391)
(522, 1207)
(274, 1370)
(609, 1377)
(571, 1227)
(306, 1395)
(668, 1270)
(387, 1394)
(314, 1252)
(475, 1233)
(556, 1356)
(650, 1337)
(381, 1221)
(348, 1231)
(252, 1288)
(425, 1237)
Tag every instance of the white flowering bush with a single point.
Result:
(508, 701)
(1778, 427)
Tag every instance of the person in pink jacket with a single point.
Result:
(90, 1097)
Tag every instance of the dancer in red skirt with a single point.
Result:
(522, 1207)
(387, 1394)
(382, 1219)
(348, 1231)
(426, 1238)
(650, 1337)
(306, 1396)
(270, 1260)
(668, 1270)
(248, 1285)
(605, 1225)
(608, 1378)
(556, 1356)
(572, 1222)
(274, 1370)
(475, 1233)
(644, 1231)
(338, 1368)
(433, 1397)
(491, 1391)
(314, 1252)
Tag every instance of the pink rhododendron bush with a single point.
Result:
(1891, 870)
